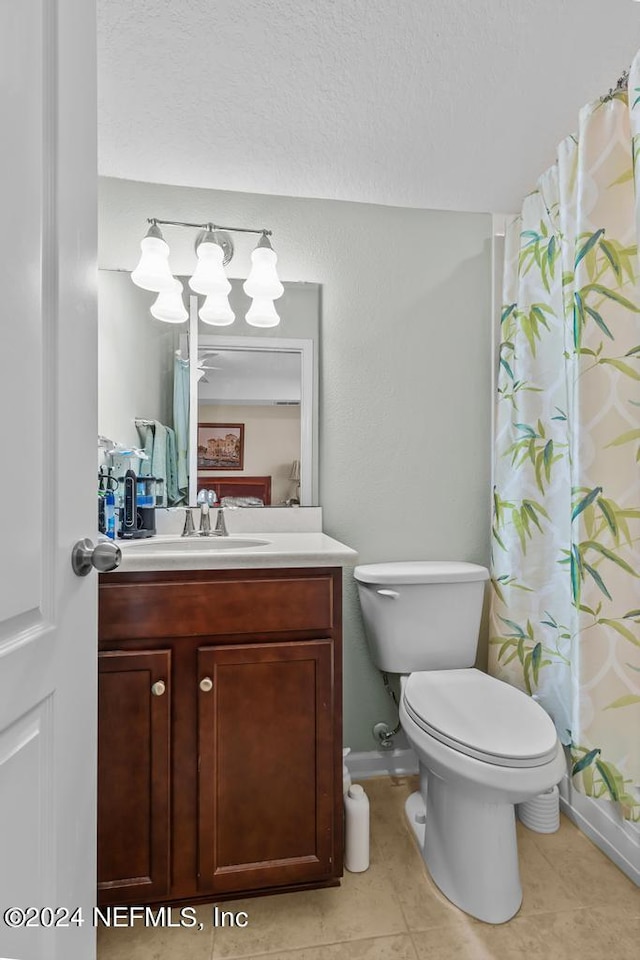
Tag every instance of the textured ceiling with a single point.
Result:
(425, 103)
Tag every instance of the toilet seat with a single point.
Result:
(481, 717)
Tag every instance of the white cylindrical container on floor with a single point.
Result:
(541, 814)
(356, 822)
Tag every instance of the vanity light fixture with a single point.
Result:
(263, 280)
(263, 285)
(214, 248)
(216, 310)
(169, 305)
(210, 277)
(152, 272)
(262, 313)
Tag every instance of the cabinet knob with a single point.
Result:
(206, 684)
(158, 688)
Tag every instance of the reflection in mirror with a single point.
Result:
(264, 387)
(137, 359)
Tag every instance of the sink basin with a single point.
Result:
(194, 544)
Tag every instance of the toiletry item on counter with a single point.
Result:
(128, 507)
(110, 514)
(107, 484)
(137, 506)
(102, 513)
(356, 822)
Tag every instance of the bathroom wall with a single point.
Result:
(404, 372)
(271, 441)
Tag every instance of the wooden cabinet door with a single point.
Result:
(266, 776)
(134, 696)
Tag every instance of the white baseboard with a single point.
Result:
(600, 821)
(382, 763)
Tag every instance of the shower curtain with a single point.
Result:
(565, 610)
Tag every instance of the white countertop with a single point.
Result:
(277, 549)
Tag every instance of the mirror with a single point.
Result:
(263, 381)
(254, 394)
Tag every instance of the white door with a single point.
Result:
(48, 359)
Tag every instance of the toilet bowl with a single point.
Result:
(482, 745)
(475, 765)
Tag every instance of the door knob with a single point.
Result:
(158, 688)
(206, 684)
(105, 556)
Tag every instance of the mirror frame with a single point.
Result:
(308, 410)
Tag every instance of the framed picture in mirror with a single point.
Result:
(220, 446)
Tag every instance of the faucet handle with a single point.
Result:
(221, 525)
(189, 528)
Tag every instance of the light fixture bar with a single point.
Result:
(208, 226)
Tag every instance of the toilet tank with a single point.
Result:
(421, 615)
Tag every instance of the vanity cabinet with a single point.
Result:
(220, 734)
(265, 784)
(134, 750)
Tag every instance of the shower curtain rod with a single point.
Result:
(621, 84)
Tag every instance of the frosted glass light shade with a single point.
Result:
(152, 271)
(216, 310)
(262, 313)
(169, 305)
(209, 277)
(263, 279)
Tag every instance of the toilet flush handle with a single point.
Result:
(388, 593)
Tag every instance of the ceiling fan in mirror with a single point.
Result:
(203, 365)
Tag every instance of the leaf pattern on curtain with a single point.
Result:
(565, 612)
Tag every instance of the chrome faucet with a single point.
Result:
(206, 499)
(205, 521)
(221, 525)
(207, 496)
(189, 529)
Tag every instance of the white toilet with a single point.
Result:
(482, 745)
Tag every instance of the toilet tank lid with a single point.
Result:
(420, 571)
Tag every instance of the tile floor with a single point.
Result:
(577, 906)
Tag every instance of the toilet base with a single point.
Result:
(470, 849)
